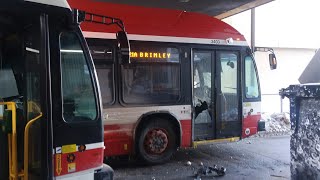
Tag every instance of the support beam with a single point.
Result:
(253, 29)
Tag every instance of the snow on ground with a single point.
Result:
(276, 122)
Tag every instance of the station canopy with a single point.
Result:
(217, 8)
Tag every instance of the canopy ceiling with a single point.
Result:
(218, 8)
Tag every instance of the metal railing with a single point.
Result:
(12, 141)
(26, 146)
(14, 172)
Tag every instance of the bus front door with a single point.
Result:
(203, 95)
(228, 123)
(215, 94)
(77, 128)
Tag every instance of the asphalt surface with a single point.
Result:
(252, 158)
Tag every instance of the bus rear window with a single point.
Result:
(153, 77)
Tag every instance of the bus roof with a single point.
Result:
(59, 3)
(158, 22)
(20, 6)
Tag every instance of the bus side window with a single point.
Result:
(79, 103)
(153, 77)
(103, 58)
(251, 80)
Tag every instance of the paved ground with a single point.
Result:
(253, 158)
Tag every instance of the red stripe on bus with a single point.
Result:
(85, 160)
(186, 126)
(250, 122)
(118, 139)
(118, 126)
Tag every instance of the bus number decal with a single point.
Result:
(215, 41)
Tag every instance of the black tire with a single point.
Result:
(157, 158)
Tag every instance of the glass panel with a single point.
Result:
(229, 81)
(156, 83)
(32, 54)
(202, 95)
(103, 60)
(7, 87)
(105, 75)
(20, 74)
(79, 102)
(251, 81)
(33, 98)
(202, 85)
(153, 76)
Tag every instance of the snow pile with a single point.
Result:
(276, 122)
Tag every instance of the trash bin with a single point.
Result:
(305, 126)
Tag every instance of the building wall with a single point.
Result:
(291, 63)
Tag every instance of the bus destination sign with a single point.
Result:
(153, 55)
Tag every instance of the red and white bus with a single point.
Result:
(50, 106)
(192, 80)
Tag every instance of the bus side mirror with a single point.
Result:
(123, 47)
(272, 56)
(272, 61)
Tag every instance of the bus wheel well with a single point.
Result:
(166, 116)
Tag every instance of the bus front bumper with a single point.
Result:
(106, 173)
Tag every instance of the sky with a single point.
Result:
(283, 23)
(292, 29)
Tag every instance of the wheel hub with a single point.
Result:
(156, 141)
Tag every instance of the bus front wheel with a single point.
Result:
(157, 141)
